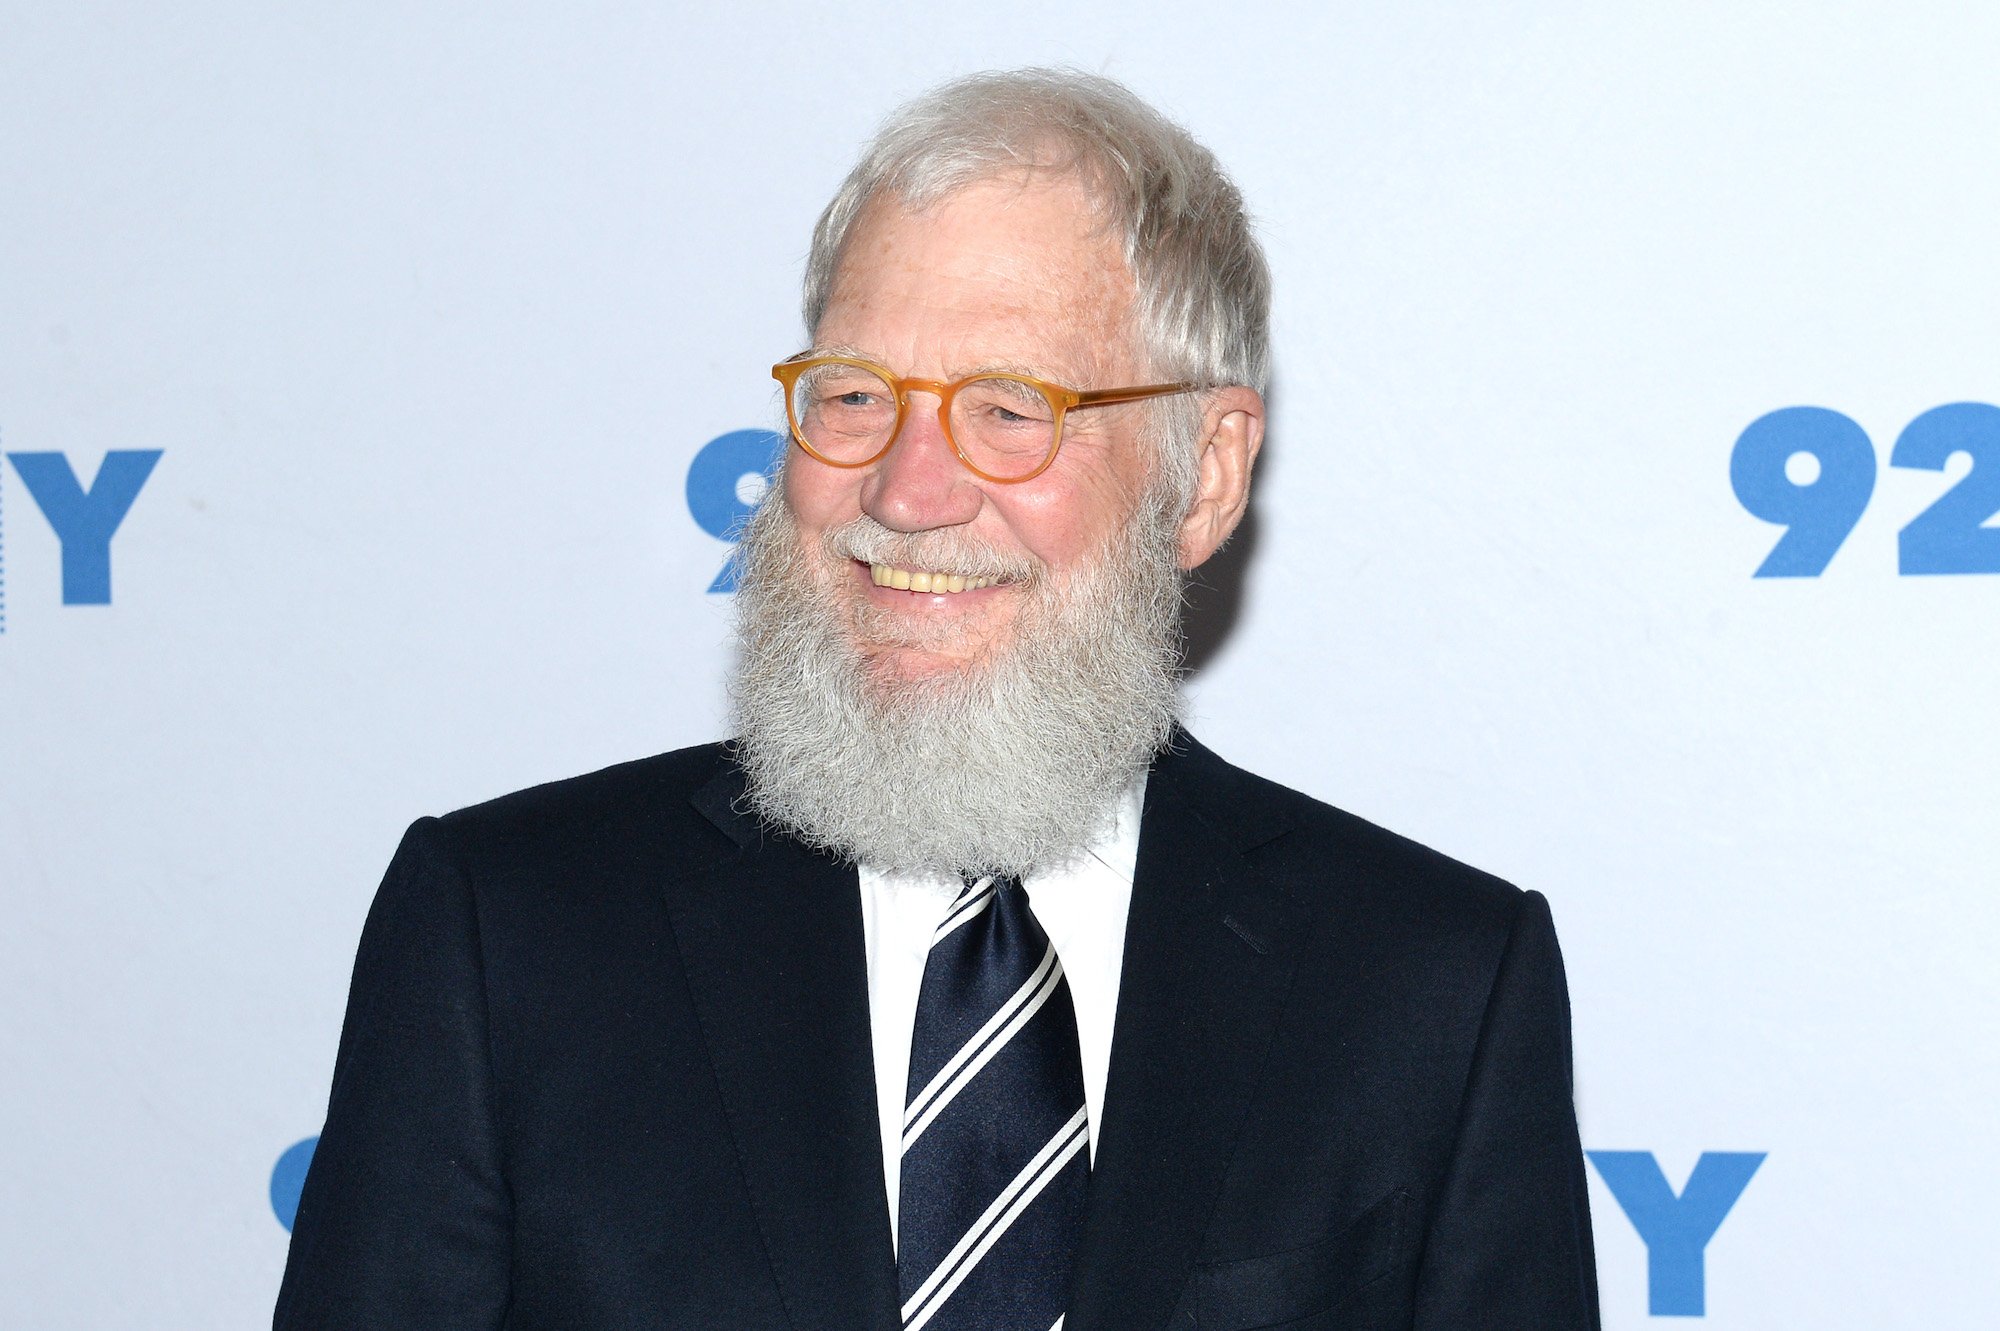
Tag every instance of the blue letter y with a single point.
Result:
(1676, 1230)
(85, 520)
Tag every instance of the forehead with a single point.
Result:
(1012, 272)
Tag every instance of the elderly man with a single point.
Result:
(964, 989)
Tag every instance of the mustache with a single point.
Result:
(940, 549)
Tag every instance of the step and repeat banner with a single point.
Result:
(379, 388)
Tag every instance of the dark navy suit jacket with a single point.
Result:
(607, 1064)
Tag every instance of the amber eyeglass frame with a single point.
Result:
(1061, 400)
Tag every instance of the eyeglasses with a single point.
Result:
(1004, 427)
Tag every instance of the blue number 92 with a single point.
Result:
(722, 482)
(1819, 512)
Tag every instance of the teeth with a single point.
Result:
(925, 580)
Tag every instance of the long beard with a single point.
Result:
(1007, 765)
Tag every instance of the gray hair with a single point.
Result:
(1204, 291)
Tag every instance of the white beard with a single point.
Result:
(1007, 765)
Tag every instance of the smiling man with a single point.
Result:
(964, 989)
(994, 583)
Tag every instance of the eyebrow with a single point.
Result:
(1023, 368)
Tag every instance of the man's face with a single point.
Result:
(1016, 275)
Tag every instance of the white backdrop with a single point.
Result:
(429, 309)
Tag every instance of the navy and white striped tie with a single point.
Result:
(995, 1158)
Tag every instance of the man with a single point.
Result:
(964, 990)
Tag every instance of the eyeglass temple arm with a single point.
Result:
(1099, 396)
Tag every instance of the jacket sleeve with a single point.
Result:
(1509, 1242)
(405, 1221)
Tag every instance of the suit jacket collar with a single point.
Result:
(771, 939)
(771, 943)
(1208, 962)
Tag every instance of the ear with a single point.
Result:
(1232, 430)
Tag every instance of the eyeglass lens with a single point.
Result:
(1003, 426)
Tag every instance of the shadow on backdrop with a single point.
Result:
(1215, 590)
(1215, 593)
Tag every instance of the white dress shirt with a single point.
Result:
(1082, 906)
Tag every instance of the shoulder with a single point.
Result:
(634, 809)
(644, 786)
(1329, 860)
(561, 876)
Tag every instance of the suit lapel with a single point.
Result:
(1207, 965)
(771, 942)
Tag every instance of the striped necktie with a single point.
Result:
(995, 1158)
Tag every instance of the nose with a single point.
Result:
(920, 484)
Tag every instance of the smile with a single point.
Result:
(925, 580)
